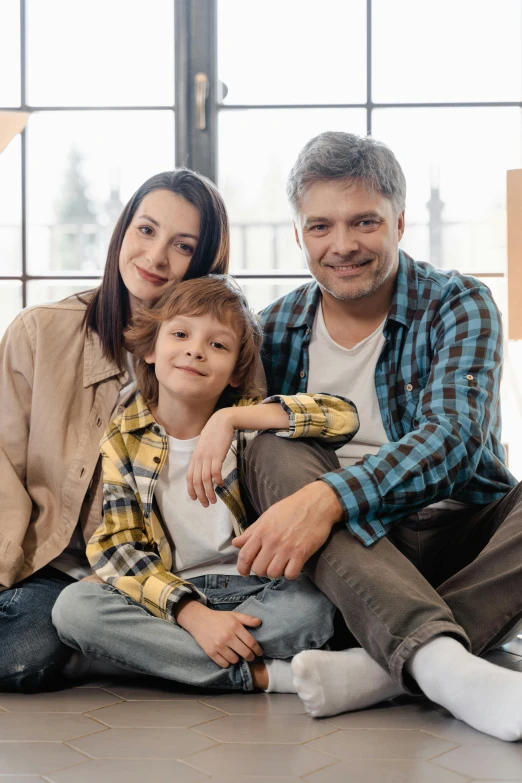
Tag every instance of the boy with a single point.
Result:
(167, 561)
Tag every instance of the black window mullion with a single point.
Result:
(196, 53)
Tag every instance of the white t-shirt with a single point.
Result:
(72, 560)
(351, 372)
(200, 537)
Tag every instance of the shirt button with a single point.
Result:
(156, 429)
(470, 378)
(82, 471)
(156, 460)
(302, 374)
(307, 330)
(99, 421)
(409, 387)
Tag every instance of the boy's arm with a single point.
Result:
(322, 416)
(122, 550)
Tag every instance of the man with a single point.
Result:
(426, 561)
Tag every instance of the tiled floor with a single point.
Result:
(138, 732)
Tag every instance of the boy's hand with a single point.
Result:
(205, 467)
(222, 635)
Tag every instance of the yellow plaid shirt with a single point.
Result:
(129, 550)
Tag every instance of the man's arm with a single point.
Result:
(431, 462)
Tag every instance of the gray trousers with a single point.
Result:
(455, 572)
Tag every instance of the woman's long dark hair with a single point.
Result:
(108, 310)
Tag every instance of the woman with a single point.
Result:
(64, 373)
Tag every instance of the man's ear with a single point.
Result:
(296, 232)
(401, 225)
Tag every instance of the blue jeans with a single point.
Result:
(102, 622)
(31, 653)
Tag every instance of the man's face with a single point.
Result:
(349, 236)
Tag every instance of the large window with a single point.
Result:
(119, 90)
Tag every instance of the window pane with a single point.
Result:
(443, 51)
(11, 209)
(82, 169)
(257, 149)
(100, 53)
(40, 291)
(10, 53)
(295, 51)
(10, 303)
(455, 162)
(261, 293)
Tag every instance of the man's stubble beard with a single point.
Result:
(367, 289)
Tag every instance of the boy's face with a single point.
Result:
(195, 357)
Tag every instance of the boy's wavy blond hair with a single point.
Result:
(215, 295)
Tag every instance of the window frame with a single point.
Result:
(195, 52)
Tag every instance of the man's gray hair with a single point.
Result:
(337, 155)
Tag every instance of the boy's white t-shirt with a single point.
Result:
(200, 537)
(332, 368)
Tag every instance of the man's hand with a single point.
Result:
(222, 635)
(289, 533)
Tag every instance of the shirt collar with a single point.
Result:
(405, 296)
(136, 415)
(96, 365)
(304, 306)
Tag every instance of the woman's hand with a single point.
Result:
(205, 467)
(222, 635)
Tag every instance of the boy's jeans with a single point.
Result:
(102, 622)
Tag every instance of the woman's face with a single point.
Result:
(158, 245)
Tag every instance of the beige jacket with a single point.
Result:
(57, 394)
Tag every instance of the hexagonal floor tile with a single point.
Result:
(18, 779)
(457, 731)
(407, 716)
(152, 692)
(258, 703)
(486, 762)
(102, 770)
(142, 744)
(72, 700)
(372, 770)
(36, 758)
(264, 728)
(381, 744)
(46, 727)
(258, 760)
(163, 714)
(251, 779)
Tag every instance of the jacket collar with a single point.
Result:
(402, 309)
(137, 415)
(96, 366)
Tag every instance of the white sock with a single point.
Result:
(483, 695)
(280, 678)
(332, 682)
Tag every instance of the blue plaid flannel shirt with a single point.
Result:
(437, 383)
